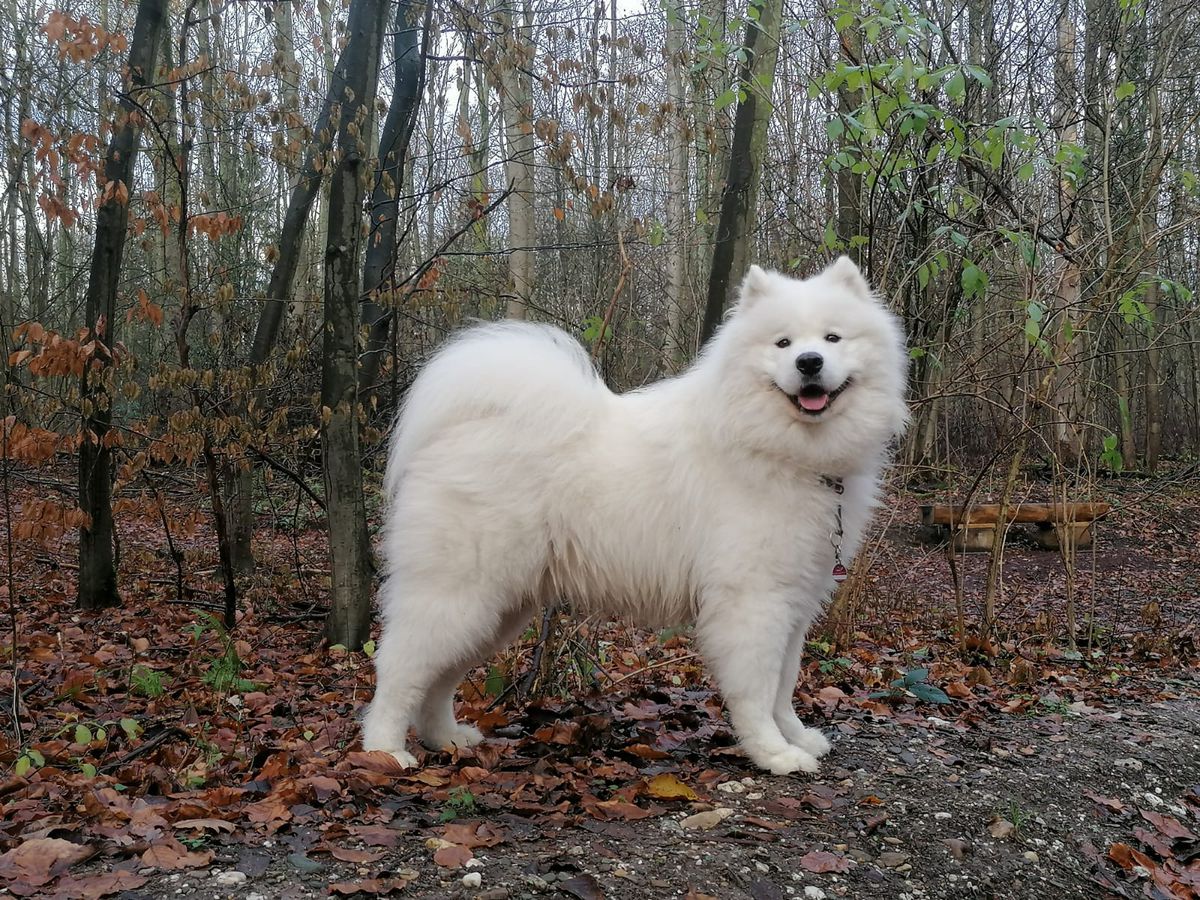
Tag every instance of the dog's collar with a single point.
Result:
(834, 484)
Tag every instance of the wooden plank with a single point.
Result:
(989, 513)
(1053, 537)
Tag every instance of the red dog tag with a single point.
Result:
(839, 573)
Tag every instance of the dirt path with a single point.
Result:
(905, 808)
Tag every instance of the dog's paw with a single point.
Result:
(808, 739)
(459, 735)
(800, 735)
(787, 761)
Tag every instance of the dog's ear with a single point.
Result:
(756, 283)
(844, 271)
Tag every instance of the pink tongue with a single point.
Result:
(814, 404)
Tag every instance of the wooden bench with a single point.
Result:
(975, 527)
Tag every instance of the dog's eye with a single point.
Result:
(833, 338)
(783, 342)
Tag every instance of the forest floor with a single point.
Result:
(158, 756)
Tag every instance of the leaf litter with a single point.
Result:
(137, 763)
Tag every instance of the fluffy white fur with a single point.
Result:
(516, 479)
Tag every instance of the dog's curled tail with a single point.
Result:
(535, 375)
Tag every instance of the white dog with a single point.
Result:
(517, 479)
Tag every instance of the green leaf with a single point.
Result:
(23, 765)
(83, 734)
(912, 676)
(1025, 171)
(131, 728)
(496, 682)
(915, 352)
(927, 693)
(369, 648)
(656, 235)
(956, 87)
(974, 281)
(1111, 456)
(36, 756)
(1125, 89)
(304, 864)
(726, 99)
(88, 770)
(835, 128)
(591, 330)
(981, 76)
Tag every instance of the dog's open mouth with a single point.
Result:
(814, 399)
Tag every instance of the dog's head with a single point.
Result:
(820, 359)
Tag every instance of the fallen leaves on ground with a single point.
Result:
(152, 738)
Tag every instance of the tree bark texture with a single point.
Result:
(731, 254)
(379, 268)
(678, 232)
(239, 497)
(97, 557)
(349, 620)
(516, 104)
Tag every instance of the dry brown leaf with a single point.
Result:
(472, 835)
(980, 675)
(93, 887)
(645, 751)
(1109, 803)
(1001, 828)
(959, 690)
(40, 860)
(617, 809)
(668, 787)
(351, 855)
(821, 861)
(1168, 826)
(452, 856)
(376, 761)
(173, 855)
(703, 821)
(204, 825)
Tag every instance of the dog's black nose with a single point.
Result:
(809, 363)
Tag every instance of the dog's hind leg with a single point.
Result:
(796, 732)
(427, 632)
(746, 649)
(435, 722)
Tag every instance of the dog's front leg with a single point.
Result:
(746, 644)
(797, 733)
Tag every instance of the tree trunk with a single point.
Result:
(1067, 401)
(738, 200)
(1149, 205)
(240, 488)
(380, 265)
(349, 620)
(97, 557)
(675, 348)
(849, 183)
(516, 104)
